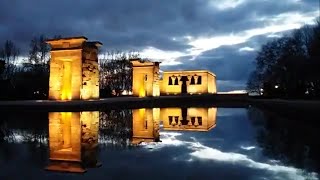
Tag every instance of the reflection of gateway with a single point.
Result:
(73, 140)
(146, 121)
(145, 125)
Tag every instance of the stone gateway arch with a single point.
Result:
(74, 69)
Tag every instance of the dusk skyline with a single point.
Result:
(220, 36)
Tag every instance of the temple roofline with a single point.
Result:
(143, 62)
(67, 38)
(189, 71)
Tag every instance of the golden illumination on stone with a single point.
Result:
(188, 119)
(66, 93)
(145, 78)
(73, 141)
(74, 71)
(145, 124)
(188, 82)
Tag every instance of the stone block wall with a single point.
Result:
(74, 71)
(207, 82)
(90, 74)
(212, 84)
(142, 86)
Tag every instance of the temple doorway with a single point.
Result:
(66, 93)
(184, 80)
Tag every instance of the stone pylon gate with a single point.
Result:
(145, 78)
(74, 69)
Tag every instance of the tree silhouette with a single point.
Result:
(288, 66)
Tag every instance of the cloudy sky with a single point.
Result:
(219, 35)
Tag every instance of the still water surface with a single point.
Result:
(158, 143)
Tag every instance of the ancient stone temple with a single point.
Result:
(188, 119)
(188, 82)
(145, 78)
(74, 71)
(145, 125)
(73, 141)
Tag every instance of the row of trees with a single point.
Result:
(289, 66)
(27, 76)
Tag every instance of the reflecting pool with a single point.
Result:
(157, 143)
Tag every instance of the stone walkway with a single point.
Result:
(127, 102)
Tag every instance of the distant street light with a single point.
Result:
(276, 86)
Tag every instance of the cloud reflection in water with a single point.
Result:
(200, 151)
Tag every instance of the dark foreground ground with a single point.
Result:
(216, 100)
(299, 109)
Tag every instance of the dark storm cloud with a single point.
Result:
(120, 24)
(135, 25)
(131, 24)
(227, 62)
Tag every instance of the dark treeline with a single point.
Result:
(288, 67)
(26, 76)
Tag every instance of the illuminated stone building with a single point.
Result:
(145, 125)
(146, 80)
(74, 71)
(73, 141)
(188, 119)
(188, 82)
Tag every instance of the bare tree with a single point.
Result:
(9, 54)
(38, 54)
(116, 70)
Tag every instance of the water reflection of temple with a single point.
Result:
(146, 121)
(145, 125)
(73, 140)
(191, 119)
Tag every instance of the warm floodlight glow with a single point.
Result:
(188, 82)
(66, 131)
(145, 123)
(142, 92)
(73, 139)
(66, 81)
(145, 78)
(63, 140)
(74, 72)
